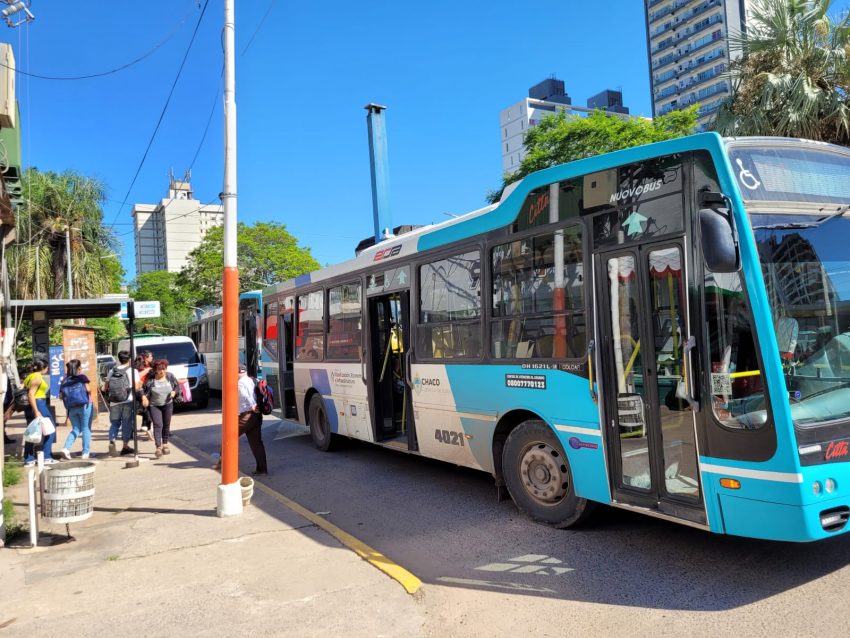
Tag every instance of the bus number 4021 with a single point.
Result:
(449, 438)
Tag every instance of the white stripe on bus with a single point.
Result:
(578, 430)
(781, 477)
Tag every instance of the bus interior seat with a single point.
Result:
(544, 346)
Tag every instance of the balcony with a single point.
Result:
(696, 46)
(691, 31)
(654, 17)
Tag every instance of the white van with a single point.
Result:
(184, 362)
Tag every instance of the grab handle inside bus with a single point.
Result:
(590, 348)
(684, 391)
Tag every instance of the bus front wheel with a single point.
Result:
(320, 427)
(537, 474)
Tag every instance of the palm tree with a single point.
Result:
(39, 260)
(793, 75)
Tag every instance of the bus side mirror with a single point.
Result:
(719, 244)
(203, 358)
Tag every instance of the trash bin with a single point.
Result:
(247, 485)
(68, 492)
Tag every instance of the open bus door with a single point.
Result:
(286, 350)
(388, 363)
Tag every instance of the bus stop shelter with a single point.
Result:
(42, 311)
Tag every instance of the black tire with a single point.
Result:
(537, 474)
(203, 403)
(320, 427)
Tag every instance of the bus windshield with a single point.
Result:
(806, 267)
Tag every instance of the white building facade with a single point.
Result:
(515, 121)
(167, 232)
(689, 53)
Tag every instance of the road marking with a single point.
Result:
(395, 571)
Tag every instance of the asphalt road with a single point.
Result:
(444, 524)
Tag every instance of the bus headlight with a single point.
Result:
(816, 488)
(829, 485)
(203, 378)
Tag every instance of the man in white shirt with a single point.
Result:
(251, 420)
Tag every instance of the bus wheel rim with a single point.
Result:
(543, 473)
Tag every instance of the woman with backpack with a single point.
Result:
(37, 392)
(74, 392)
(158, 394)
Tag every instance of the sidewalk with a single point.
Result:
(155, 560)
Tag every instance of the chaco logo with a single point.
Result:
(420, 383)
(628, 193)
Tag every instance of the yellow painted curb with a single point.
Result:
(395, 571)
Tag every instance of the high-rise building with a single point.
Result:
(688, 46)
(544, 99)
(168, 231)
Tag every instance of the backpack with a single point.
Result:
(22, 398)
(118, 385)
(74, 393)
(264, 396)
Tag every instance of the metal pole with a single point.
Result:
(380, 171)
(68, 253)
(131, 315)
(229, 497)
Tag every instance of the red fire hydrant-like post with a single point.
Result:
(229, 497)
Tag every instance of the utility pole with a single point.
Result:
(229, 496)
(6, 343)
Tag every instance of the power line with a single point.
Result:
(207, 127)
(162, 114)
(101, 74)
(259, 26)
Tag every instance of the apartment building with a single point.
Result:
(688, 46)
(545, 98)
(167, 232)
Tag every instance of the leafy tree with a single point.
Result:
(793, 76)
(54, 202)
(175, 302)
(564, 138)
(266, 254)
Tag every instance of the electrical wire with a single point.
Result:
(206, 128)
(259, 26)
(117, 69)
(162, 114)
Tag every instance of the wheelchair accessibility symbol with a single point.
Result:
(746, 177)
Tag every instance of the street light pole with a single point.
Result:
(229, 496)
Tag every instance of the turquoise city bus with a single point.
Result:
(207, 331)
(664, 329)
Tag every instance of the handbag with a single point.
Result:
(32, 434)
(47, 427)
(186, 391)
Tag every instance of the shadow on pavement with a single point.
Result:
(444, 524)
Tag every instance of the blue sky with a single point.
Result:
(444, 69)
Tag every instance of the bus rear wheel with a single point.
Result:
(537, 474)
(320, 427)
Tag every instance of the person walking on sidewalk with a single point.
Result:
(158, 394)
(250, 421)
(142, 364)
(74, 392)
(38, 391)
(118, 392)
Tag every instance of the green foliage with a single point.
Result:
(267, 254)
(793, 76)
(107, 330)
(175, 300)
(11, 525)
(12, 473)
(562, 138)
(55, 201)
